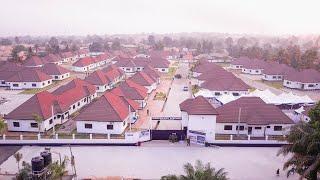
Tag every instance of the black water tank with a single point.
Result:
(47, 158)
(37, 164)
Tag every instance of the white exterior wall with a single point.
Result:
(264, 131)
(203, 123)
(251, 71)
(301, 86)
(101, 127)
(163, 70)
(267, 77)
(185, 119)
(60, 77)
(235, 66)
(28, 85)
(151, 88)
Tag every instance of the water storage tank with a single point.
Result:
(37, 164)
(47, 158)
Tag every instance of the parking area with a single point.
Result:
(158, 158)
(11, 99)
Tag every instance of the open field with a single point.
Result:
(155, 159)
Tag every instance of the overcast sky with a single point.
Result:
(81, 17)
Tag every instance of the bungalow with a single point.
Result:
(152, 73)
(110, 114)
(84, 64)
(252, 116)
(34, 61)
(308, 79)
(276, 72)
(29, 78)
(132, 90)
(53, 58)
(53, 108)
(55, 71)
(82, 53)
(199, 117)
(68, 57)
(7, 70)
(225, 84)
(106, 78)
(145, 80)
(238, 63)
(254, 67)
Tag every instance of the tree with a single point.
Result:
(58, 168)
(2, 125)
(38, 119)
(308, 58)
(116, 44)
(96, 47)
(18, 157)
(151, 40)
(167, 41)
(199, 172)
(15, 52)
(17, 40)
(24, 173)
(304, 147)
(228, 41)
(158, 46)
(5, 42)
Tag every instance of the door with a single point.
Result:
(249, 130)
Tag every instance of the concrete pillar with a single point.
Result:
(39, 136)
(108, 136)
(4, 137)
(90, 136)
(73, 136)
(57, 136)
(21, 137)
(249, 137)
(231, 137)
(267, 137)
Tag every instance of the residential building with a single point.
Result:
(53, 108)
(144, 80)
(307, 79)
(110, 114)
(56, 72)
(252, 116)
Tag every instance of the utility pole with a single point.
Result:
(239, 115)
(53, 129)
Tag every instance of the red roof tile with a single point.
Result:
(198, 106)
(254, 111)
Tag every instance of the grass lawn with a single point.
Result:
(34, 91)
(277, 84)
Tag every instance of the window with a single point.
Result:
(241, 128)
(288, 82)
(124, 123)
(277, 128)
(217, 94)
(235, 94)
(257, 71)
(74, 106)
(34, 85)
(97, 87)
(58, 116)
(268, 126)
(274, 77)
(3, 82)
(43, 83)
(110, 126)
(257, 128)
(50, 121)
(310, 85)
(15, 85)
(34, 125)
(127, 69)
(228, 127)
(279, 77)
(16, 124)
(56, 77)
(88, 126)
(163, 70)
(78, 103)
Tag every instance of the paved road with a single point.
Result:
(155, 159)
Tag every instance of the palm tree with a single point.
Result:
(38, 119)
(58, 168)
(2, 125)
(304, 148)
(199, 172)
(18, 157)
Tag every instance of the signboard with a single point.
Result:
(167, 118)
(197, 137)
